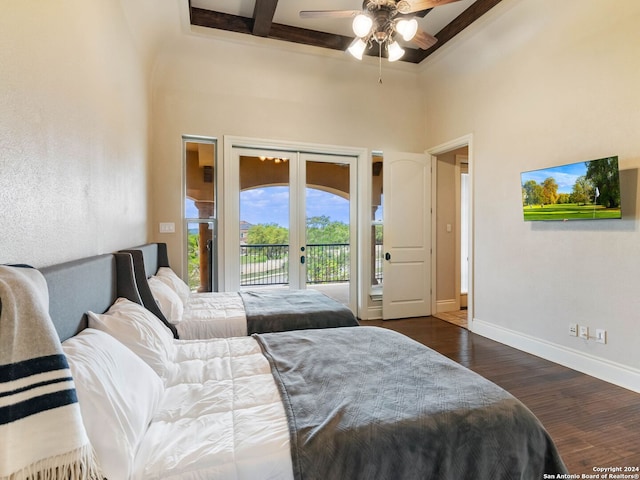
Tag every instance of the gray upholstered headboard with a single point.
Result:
(146, 261)
(91, 283)
(154, 256)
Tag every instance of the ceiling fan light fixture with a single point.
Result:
(395, 51)
(362, 25)
(407, 28)
(357, 48)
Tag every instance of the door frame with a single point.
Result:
(229, 207)
(460, 160)
(464, 141)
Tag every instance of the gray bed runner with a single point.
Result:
(370, 403)
(278, 311)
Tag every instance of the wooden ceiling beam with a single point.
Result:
(262, 25)
(263, 13)
(462, 21)
(233, 23)
(221, 21)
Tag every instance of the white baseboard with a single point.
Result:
(446, 306)
(374, 313)
(612, 372)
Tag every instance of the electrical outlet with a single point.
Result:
(601, 335)
(573, 329)
(583, 332)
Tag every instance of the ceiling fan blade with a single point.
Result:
(419, 5)
(424, 40)
(329, 13)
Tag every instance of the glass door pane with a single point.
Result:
(296, 223)
(264, 220)
(329, 232)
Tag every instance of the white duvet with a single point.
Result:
(220, 417)
(213, 315)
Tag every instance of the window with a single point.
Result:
(200, 212)
(377, 196)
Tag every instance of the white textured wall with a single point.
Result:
(535, 89)
(73, 131)
(540, 83)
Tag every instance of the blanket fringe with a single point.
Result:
(79, 464)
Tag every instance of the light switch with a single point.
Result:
(448, 228)
(167, 227)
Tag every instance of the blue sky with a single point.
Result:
(270, 205)
(564, 175)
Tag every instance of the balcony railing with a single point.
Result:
(378, 264)
(326, 263)
(269, 264)
(264, 265)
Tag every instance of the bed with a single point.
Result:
(356, 403)
(215, 412)
(228, 314)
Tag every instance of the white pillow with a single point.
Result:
(140, 330)
(118, 395)
(175, 282)
(167, 299)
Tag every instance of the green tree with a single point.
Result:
(327, 264)
(268, 234)
(322, 230)
(549, 191)
(582, 190)
(378, 234)
(603, 176)
(194, 256)
(531, 193)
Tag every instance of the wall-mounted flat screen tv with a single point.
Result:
(578, 191)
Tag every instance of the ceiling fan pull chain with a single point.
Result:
(380, 63)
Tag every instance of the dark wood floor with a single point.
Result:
(593, 423)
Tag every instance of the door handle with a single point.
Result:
(387, 256)
(302, 259)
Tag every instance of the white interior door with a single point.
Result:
(407, 236)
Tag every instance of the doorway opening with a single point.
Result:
(453, 231)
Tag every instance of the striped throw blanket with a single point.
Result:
(41, 430)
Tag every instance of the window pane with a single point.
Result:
(199, 255)
(200, 212)
(377, 200)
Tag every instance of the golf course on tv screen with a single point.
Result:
(578, 191)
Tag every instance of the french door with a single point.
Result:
(295, 221)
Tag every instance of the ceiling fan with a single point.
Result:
(380, 20)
